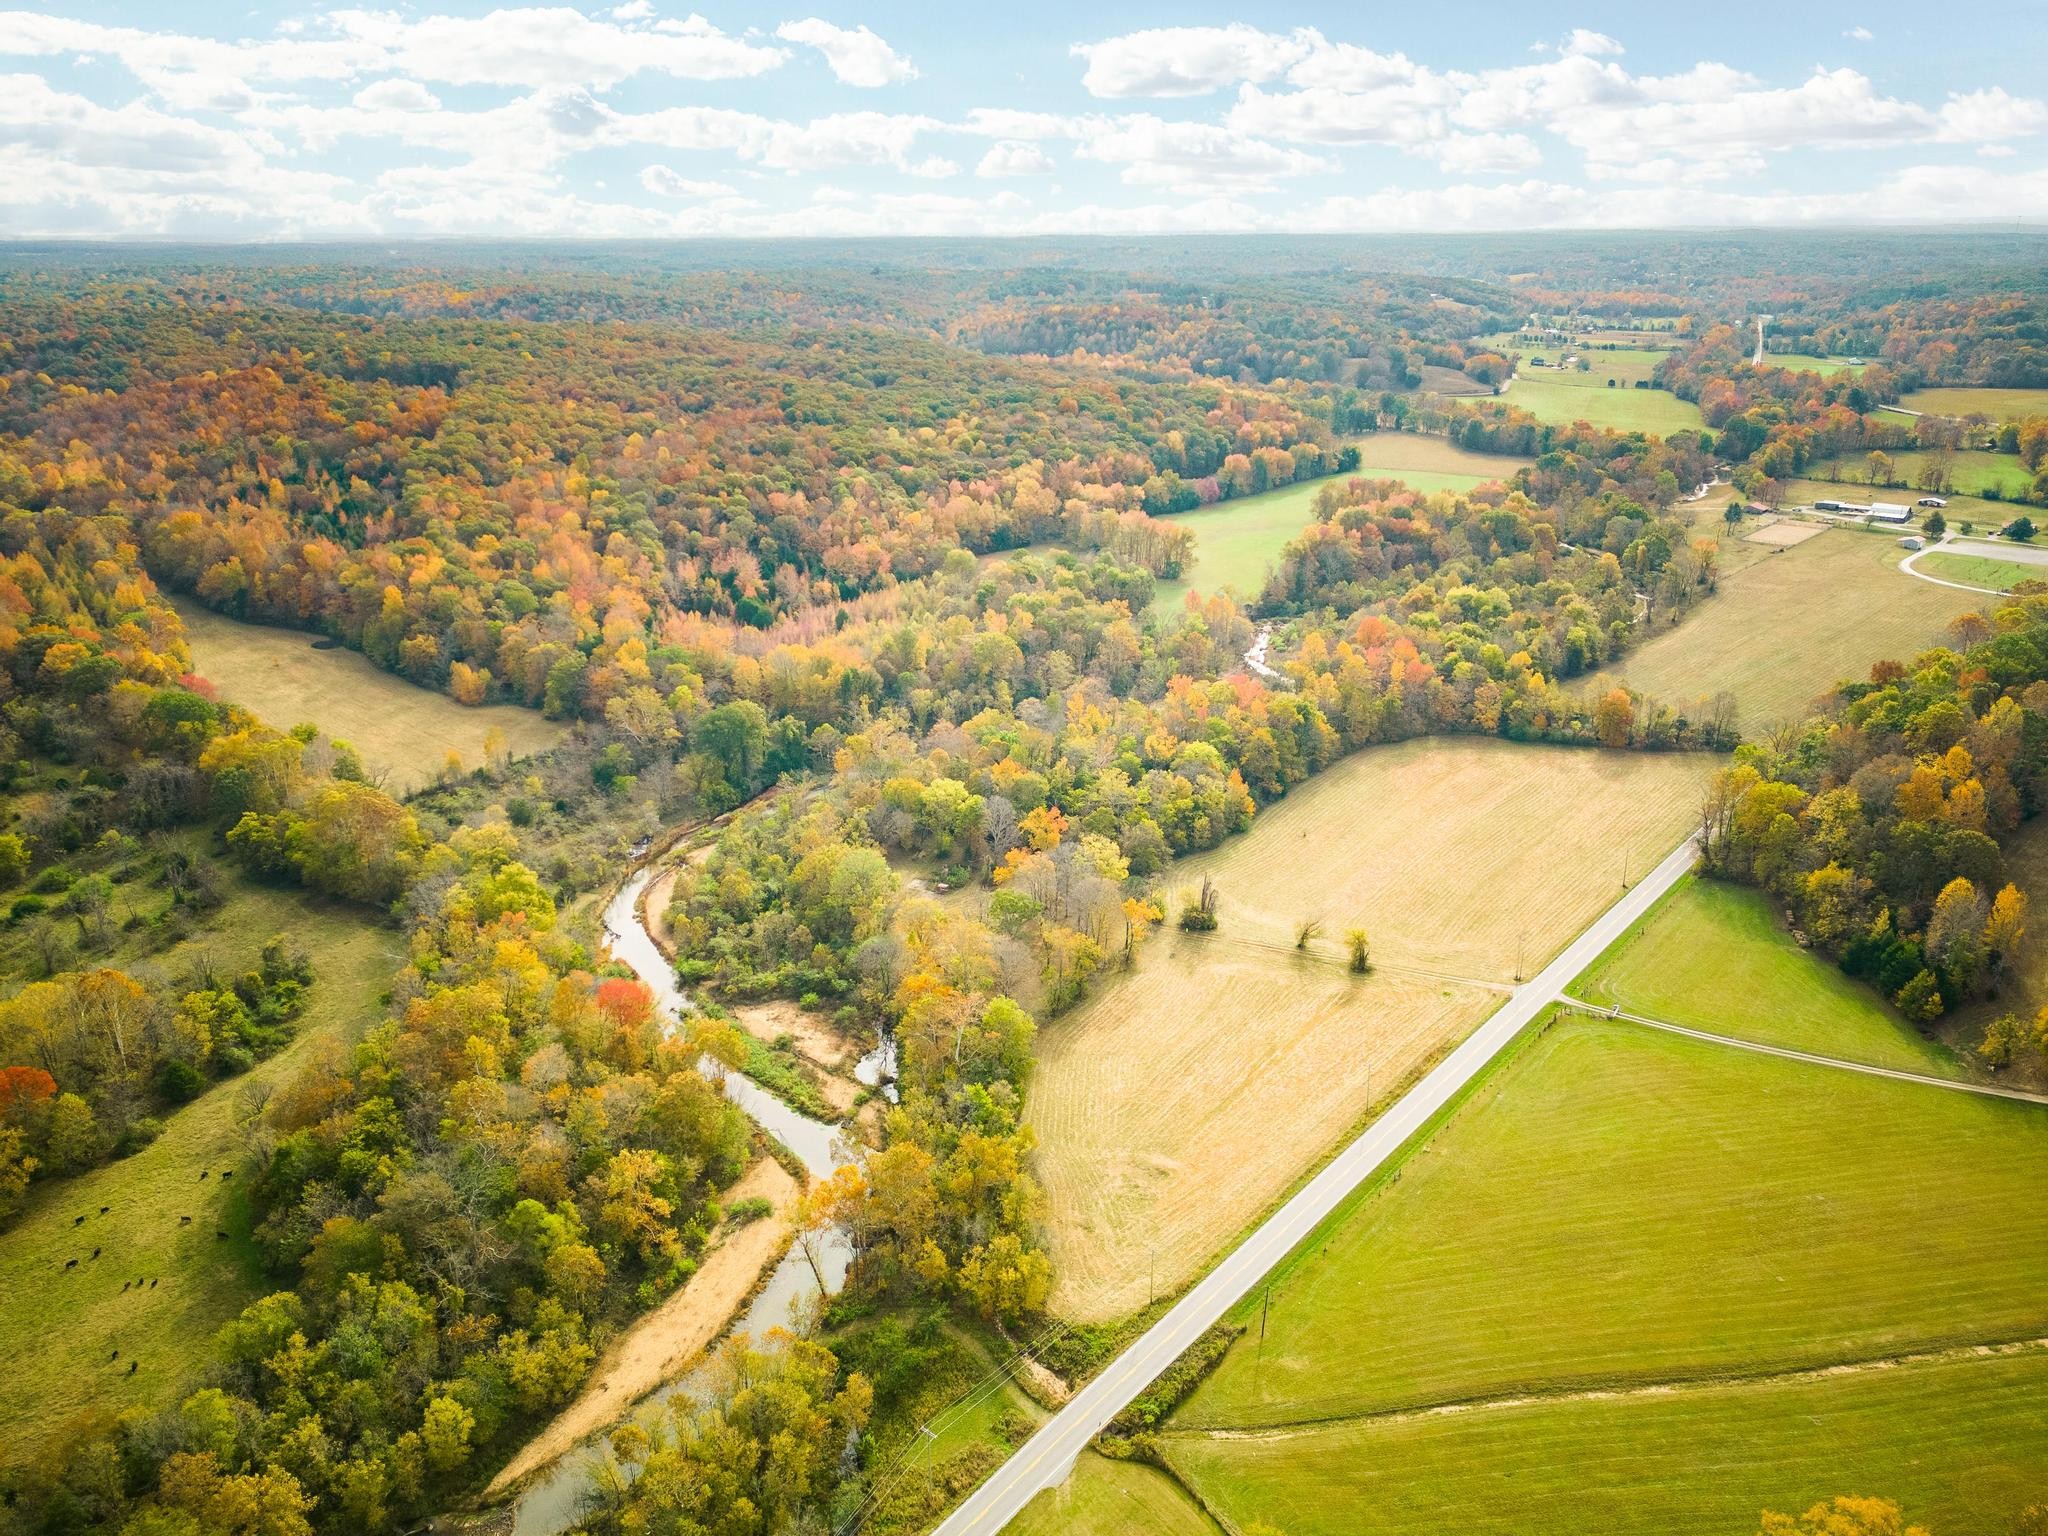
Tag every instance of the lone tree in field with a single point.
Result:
(1361, 950)
(1199, 915)
(1307, 931)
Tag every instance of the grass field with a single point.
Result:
(2000, 404)
(1972, 473)
(1551, 398)
(57, 1330)
(1624, 365)
(1618, 1207)
(1182, 1098)
(1980, 570)
(1113, 1498)
(402, 731)
(1959, 1444)
(1806, 362)
(1238, 542)
(1786, 629)
(1714, 956)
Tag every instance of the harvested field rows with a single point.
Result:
(1785, 630)
(1184, 1097)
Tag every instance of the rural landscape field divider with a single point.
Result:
(1985, 1090)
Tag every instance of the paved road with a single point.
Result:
(1043, 1460)
(1985, 1090)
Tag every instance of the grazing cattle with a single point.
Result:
(104, 1209)
(95, 1253)
(79, 1222)
(124, 1286)
(220, 1232)
(227, 1173)
(71, 1263)
(184, 1221)
(132, 1364)
(115, 1355)
(152, 1285)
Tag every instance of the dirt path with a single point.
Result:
(662, 1343)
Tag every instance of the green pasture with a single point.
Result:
(59, 1328)
(1618, 1207)
(1715, 956)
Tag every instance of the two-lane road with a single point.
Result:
(1043, 1460)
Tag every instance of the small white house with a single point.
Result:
(1932, 501)
(1912, 541)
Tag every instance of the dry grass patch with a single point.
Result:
(1786, 535)
(1184, 1097)
(1783, 631)
(402, 732)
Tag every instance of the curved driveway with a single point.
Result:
(1043, 1460)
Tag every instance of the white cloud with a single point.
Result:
(633, 10)
(1860, 34)
(663, 182)
(1584, 43)
(397, 96)
(1990, 116)
(515, 47)
(1009, 123)
(858, 57)
(1188, 61)
(1194, 157)
(1014, 157)
(1481, 154)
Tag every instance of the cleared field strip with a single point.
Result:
(1960, 1442)
(1783, 631)
(401, 730)
(1185, 1095)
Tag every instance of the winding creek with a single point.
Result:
(553, 1500)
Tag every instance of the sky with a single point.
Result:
(226, 120)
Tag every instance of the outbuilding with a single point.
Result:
(1888, 512)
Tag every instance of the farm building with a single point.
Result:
(1912, 541)
(1888, 512)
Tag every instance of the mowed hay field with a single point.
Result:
(1715, 956)
(402, 731)
(1561, 399)
(58, 1328)
(1999, 404)
(1960, 1444)
(1784, 630)
(1238, 542)
(1182, 1098)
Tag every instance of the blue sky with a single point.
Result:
(203, 120)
